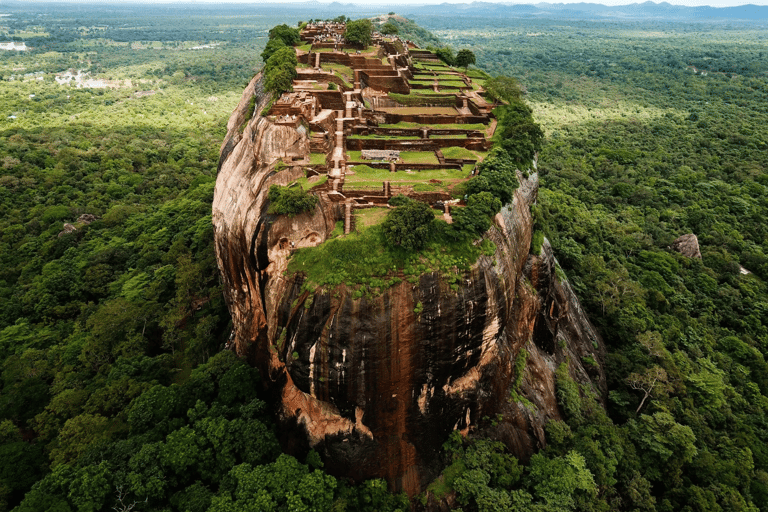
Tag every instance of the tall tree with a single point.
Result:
(464, 58)
(359, 32)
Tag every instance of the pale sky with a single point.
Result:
(386, 4)
(389, 5)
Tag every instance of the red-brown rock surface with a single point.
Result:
(376, 386)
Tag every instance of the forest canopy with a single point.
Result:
(115, 389)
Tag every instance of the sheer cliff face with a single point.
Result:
(376, 386)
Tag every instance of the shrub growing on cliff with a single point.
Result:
(517, 133)
(497, 176)
(475, 218)
(290, 200)
(409, 226)
(502, 88)
(272, 46)
(280, 70)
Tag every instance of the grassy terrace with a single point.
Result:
(429, 76)
(317, 159)
(379, 137)
(423, 97)
(418, 157)
(434, 67)
(306, 184)
(408, 157)
(365, 174)
(369, 217)
(458, 152)
(446, 126)
(368, 50)
(340, 70)
(420, 110)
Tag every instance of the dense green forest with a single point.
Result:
(115, 391)
(654, 131)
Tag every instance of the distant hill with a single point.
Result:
(638, 11)
(646, 10)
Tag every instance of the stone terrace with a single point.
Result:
(389, 119)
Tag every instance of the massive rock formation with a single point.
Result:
(377, 385)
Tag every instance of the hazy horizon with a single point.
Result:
(394, 4)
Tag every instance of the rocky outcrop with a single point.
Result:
(376, 385)
(687, 245)
(82, 220)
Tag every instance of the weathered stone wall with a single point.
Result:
(396, 84)
(323, 78)
(332, 100)
(403, 166)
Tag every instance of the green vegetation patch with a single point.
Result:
(364, 260)
(317, 159)
(445, 111)
(379, 137)
(367, 177)
(418, 157)
(458, 152)
(423, 97)
(446, 126)
(365, 217)
(306, 184)
(290, 200)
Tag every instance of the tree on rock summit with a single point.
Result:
(359, 32)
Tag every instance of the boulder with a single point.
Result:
(68, 228)
(687, 245)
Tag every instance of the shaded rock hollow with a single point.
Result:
(377, 385)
